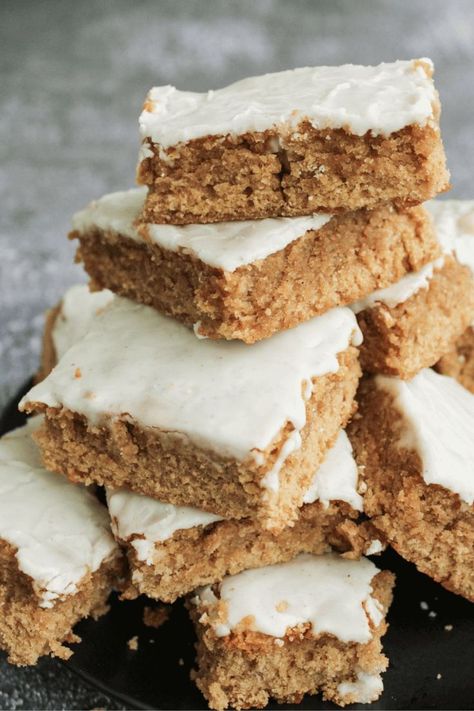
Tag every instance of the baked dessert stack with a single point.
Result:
(208, 379)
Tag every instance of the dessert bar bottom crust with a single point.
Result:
(170, 468)
(246, 669)
(28, 631)
(426, 524)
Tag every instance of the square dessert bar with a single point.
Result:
(58, 559)
(236, 430)
(248, 280)
(414, 445)
(411, 324)
(310, 625)
(172, 550)
(68, 322)
(293, 143)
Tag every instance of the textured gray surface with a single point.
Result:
(74, 75)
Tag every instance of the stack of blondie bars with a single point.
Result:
(278, 249)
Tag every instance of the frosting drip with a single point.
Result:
(327, 591)
(364, 690)
(336, 479)
(60, 530)
(381, 99)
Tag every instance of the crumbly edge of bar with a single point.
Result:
(425, 523)
(348, 258)
(459, 362)
(219, 178)
(167, 466)
(414, 335)
(28, 631)
(246, 669)
(204, 555)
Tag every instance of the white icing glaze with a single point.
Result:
(147, 521)
(327, 591)
(229, 245)
(225, 245)
(439, 424)
(60, 530)
(225, 396)
(366, 689)
(375, 547)
(380, 99)
(336, 478)
(79, 306)
(454, 220)
(271, 480)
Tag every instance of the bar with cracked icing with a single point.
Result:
(321, 139)
(411, 324)
(172, 550)
(310, 625)
(58, 558)
(233, 429)
(248, 280)
(414, 446)
(458, 215)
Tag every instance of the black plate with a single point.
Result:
(430, 667)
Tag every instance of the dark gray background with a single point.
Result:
(74, 75)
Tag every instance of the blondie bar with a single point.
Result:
(321, 139)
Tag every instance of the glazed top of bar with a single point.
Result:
(225, 396)
(60, 531)
(78, 308)
(147, 521)
(381, 99)
(225, 245)
(327, 591)
(438, 415)
(454, 226)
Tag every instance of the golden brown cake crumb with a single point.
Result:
(132, 643)
(402, 340)
(156, 616)
(28, 631)
(219, 178)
